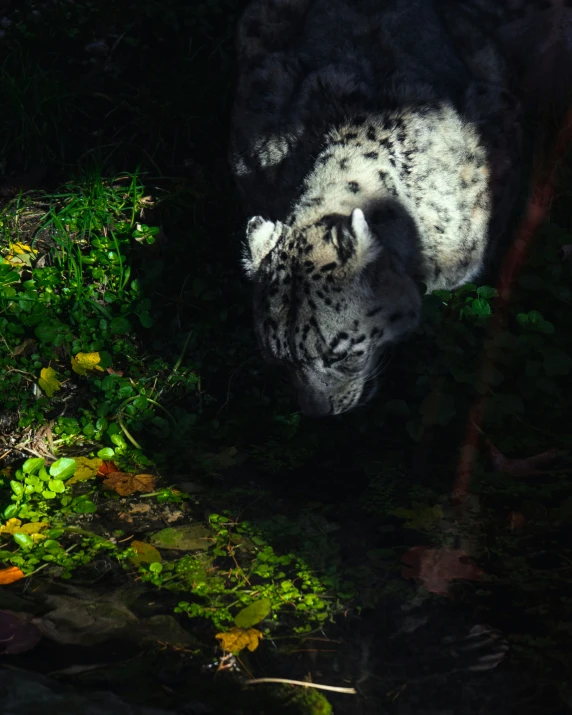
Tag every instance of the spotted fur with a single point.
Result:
(376, 144)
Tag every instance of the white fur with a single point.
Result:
(261, 239)
(367, 246)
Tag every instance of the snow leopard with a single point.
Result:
(377, 148)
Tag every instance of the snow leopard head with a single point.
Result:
(327, 299)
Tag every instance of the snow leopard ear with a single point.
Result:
(261, 237)
(367, 247)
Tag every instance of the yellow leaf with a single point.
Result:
(237, 639)
(32, 528)
(20, 248)
(86, 468)
(83, 363)
(10, 575)
(11, 526)
(48, 381)
(20, 254)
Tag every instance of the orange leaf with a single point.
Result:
(10, 575)
(436, 567)
(237, 639)
(106, 467)
(125, 483)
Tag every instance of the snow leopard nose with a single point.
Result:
(315, 404)
(313, 391)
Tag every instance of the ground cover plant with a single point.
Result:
(156, 476)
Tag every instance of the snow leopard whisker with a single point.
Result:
(379, 369)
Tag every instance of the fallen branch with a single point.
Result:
(334, 688)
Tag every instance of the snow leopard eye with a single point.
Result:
(347, 363)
